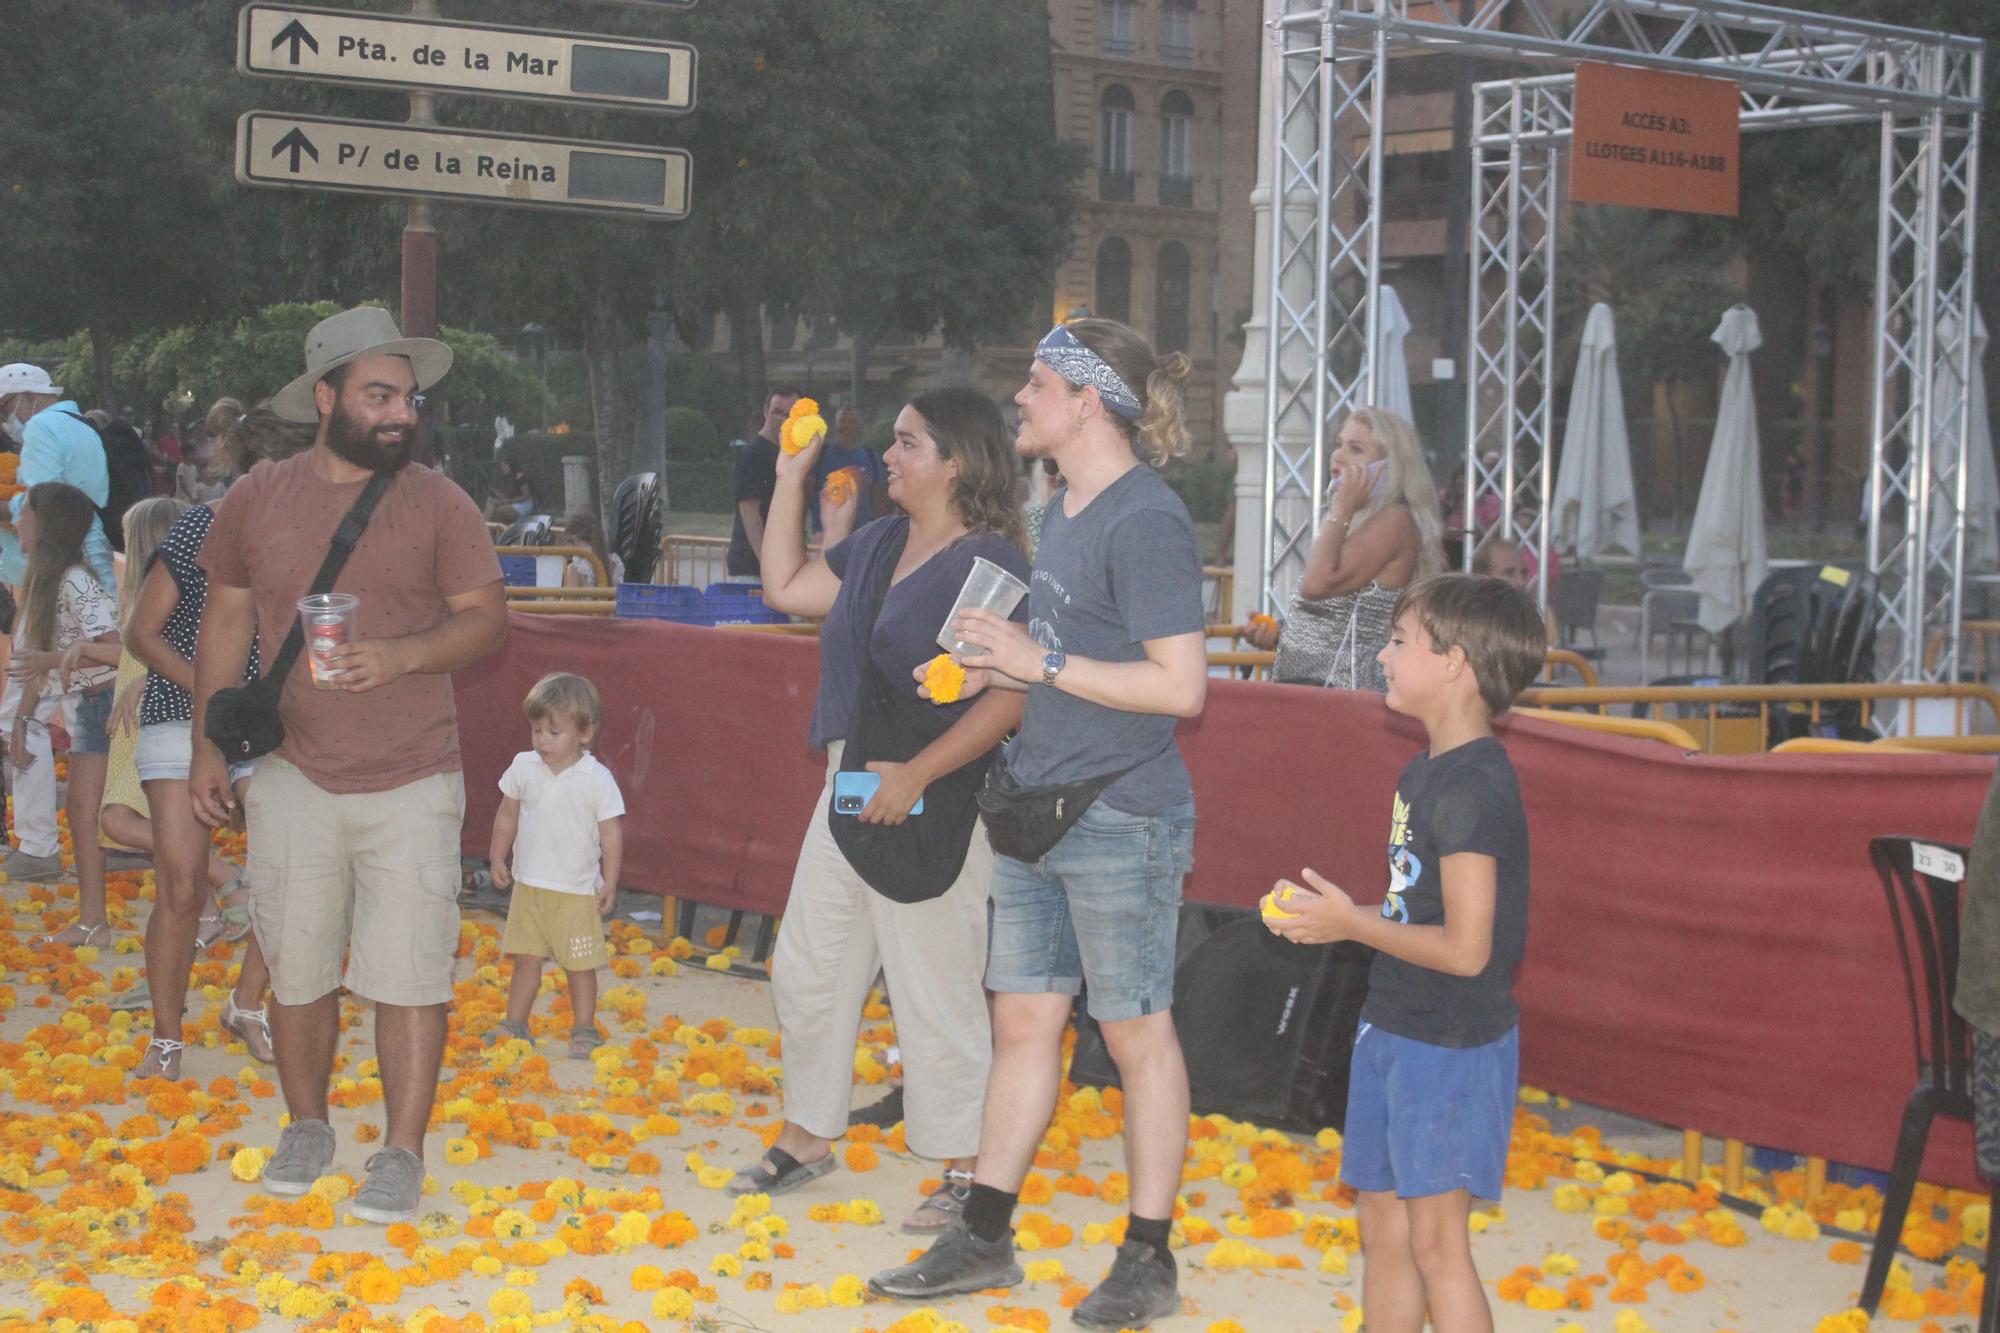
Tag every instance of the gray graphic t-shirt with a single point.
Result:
(1125, 570)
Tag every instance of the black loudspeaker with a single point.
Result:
(1267, 1026)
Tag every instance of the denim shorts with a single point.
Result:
(166, 751)
(1424, 1119)
(89, 724)
(1098, 913)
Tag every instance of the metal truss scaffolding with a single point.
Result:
(1793, 70)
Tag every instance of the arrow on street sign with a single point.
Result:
(480, 59)
(298, 35)
(295, 143)
(439, 162)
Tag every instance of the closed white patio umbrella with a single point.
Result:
(1392, 325)
(1982, 487)
(1594, 506)
(1725, 550)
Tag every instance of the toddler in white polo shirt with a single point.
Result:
(562, 818)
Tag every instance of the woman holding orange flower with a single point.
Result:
(885, 593)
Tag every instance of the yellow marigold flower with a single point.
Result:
(521, 1277)
(847, 1291)
(1541, 1297)
(1976, 1222)
(248, 1164)
(510, 1302)
(714, 1177)
(1045, 1270)
(1589, 1171)
(1238, 1174)
(648, 1278)
(717, 962)
(1559, 1264)
(944, 678)
(1334, 1260)
(333, 1188)
(1226, 1326)
(1621, 1182)
(1351, 1321)
(1327, 1139)
(673, 1303)
(802, 426)
(1570, 1198)
(1612, 1205)
(725, 1265)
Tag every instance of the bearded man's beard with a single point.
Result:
(379, 449)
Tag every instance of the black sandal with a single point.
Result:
(778, 1172)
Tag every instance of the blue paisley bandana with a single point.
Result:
(1080, 366)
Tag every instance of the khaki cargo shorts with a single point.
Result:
(369, 877)
(547, 923)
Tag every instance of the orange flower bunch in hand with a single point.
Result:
(802, 427)
(10, 467)
(1258, 620)
(944, 679)
(842, 485)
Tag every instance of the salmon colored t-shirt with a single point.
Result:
(426, 542)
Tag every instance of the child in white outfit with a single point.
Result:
(561, 816)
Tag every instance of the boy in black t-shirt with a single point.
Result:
(1431, 1092)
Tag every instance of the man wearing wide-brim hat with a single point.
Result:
(355, 818)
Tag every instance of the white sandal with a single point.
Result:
(162, 1059)
(87, 936)
(252, 1026)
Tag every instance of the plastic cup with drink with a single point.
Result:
(987, 587)
(328, 621)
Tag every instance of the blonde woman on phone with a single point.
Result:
(1383, 532)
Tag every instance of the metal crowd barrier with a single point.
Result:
(1735, 719)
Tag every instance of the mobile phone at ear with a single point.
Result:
(853, 790)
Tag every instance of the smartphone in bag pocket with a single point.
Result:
(853, 790)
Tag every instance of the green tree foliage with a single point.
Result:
(109, 192)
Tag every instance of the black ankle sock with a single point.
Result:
(1151, 1230)
(989, 1213)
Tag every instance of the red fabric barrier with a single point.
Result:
(1708, 945)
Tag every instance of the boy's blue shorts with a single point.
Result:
(1424, 1119)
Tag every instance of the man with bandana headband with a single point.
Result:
(355, 819)
(1112, 658)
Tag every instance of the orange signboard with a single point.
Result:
(1651, 140)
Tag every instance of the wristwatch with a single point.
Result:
(1052, 666)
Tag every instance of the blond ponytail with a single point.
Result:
(1160, 435)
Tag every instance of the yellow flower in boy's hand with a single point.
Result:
(944, 679)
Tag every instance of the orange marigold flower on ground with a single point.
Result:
(861, 1157)
(1686, 1278)
(1846, 1252)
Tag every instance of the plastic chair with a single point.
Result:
(1921, 879)
(530, 531)
(1574, 601)
(1669, 605)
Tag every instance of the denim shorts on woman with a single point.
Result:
(89, 723)
(1098, 913)
(1424, 1119)
(166, 751)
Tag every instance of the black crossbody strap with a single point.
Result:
(345, 538)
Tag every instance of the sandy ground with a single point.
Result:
(1764, 1285)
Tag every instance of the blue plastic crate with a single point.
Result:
(735, 588)
(518, 570)
(738, 609)
(663, 601)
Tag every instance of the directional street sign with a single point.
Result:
(481, 59)
(383, 157)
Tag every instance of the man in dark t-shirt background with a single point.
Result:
(756, 482)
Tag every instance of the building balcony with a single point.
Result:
(1176, 53)
(1114, 187)
(1177, 191)
(1117, 48)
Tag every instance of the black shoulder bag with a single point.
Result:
(243, 720)
(920, 858)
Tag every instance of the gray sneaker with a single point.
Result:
(20, 865)
(1142, 1286)
(956, 1262)
(305, 1150)
(394, 1189)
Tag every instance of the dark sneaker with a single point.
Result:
(1142, 1286)
(305, 1150)
(393, 1190)
(884, 1114)
(956, 1262)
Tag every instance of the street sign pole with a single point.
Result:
(420, 251)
